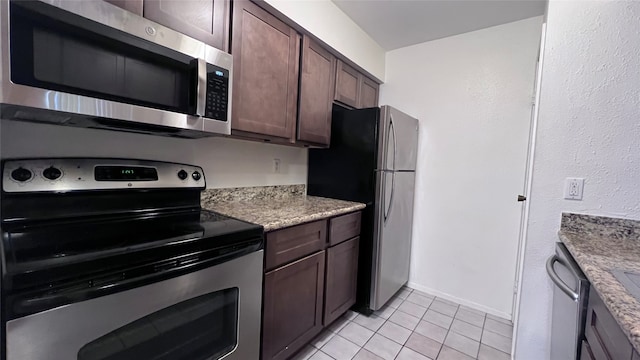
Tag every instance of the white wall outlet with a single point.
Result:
(573, 188)
(276, 166)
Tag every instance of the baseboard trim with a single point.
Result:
(460, 301)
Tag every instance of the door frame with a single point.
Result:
(524, 220)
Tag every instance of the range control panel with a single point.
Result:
(71, 174)
(216, 106)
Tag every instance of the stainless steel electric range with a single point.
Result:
(107, 259)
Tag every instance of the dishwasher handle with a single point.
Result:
(556, 279)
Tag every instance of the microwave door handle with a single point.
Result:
(201, 91)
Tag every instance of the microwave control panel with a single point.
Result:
(216, 106)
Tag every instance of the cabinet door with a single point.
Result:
(604, 335)
(266, 55)
(205, 20)
(585, 352)
(368, 93)
(316, 93)
(292, 306)
(342, 275)
(134, 6)
(347, 84)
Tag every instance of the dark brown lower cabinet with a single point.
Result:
(604, 336)
(313, 282)
(293, 297)
(342, 275)
(585, 353)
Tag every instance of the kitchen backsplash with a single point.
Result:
(226, 162)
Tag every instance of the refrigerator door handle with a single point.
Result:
(392, 131)
(556, 279)
(387, 211)
(395, 143)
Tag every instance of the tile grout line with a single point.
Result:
(407, 293)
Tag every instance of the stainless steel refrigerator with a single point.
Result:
(372, 159)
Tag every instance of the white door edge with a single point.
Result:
(524, 223)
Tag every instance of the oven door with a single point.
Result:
(209, 314)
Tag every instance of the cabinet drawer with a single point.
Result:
(295, 242)
(585, 353)
(344, 227)
(604, 335)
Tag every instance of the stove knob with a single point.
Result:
(52, 173)
(182, 174)
(21, 174)
(196, 176)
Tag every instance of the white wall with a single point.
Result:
(469, 91)
(589, 126)
(226, 162)
(326, 21)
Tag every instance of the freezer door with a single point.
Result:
(399, 140)
(346, 169)
(392, 238)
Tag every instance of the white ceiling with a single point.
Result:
(398, 23)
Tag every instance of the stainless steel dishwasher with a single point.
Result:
(570, 298)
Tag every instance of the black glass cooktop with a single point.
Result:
(49, 253)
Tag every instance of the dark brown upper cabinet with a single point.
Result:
(134, 6)
(205, 20)
(347, 85)
(354, 89)
(317, 81)
(293, 297)
(266, 54)
(368, 93)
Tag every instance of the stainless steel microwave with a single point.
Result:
(91, 64)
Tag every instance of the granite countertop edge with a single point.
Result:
(275, 214)
(624, 308)
(285, 223)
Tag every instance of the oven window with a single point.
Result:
(57, 50)
(205, 327)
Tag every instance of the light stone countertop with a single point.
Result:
(275, 207)
(599, 245)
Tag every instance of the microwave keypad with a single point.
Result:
(217, 93)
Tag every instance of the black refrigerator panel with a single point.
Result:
(346, 170)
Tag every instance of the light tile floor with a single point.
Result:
(414, 326)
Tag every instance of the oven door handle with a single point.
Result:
(556, 279)
(201, 88)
